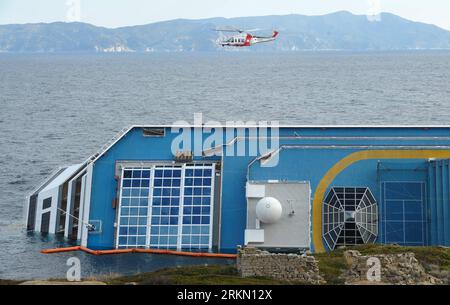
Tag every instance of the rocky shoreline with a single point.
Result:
(363, 265)
(389, 269)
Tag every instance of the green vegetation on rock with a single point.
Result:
(435, 260)
(194, 275)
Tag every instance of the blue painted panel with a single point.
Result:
(310, 165)
(300, 164)
(133, 146)
(402, 191)
(404, 218)
(414, 233)
(444, 201)
(234, 203)
(432, 208)
(394, 210)
(439, 202)
(438, 184)
(414, 210)
(394, 232)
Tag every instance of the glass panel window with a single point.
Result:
(349, 217)
(197, 211)
(166, 207)
(133, 208)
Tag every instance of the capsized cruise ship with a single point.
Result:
(212, 189)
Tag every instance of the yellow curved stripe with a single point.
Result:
(346, 162)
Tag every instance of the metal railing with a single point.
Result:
(108, 144)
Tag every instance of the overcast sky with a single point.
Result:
(115, 13)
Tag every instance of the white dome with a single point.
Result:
(268, 210)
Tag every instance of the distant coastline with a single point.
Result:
(340, 31)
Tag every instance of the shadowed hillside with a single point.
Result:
(337, 31)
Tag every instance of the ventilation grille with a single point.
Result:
(350, 217)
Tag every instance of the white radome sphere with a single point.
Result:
(268, 210)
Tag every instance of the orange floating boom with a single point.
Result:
(136, 250)
(58, 250)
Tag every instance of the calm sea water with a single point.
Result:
(58, 109)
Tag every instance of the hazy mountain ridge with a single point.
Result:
(337, 31)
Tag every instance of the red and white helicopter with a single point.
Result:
(244, 38)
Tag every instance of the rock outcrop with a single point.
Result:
(252, 262)
(384, 269)
(397, 269)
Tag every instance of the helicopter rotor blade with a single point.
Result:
(229, 30)
(237, 30)
(253, 30)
